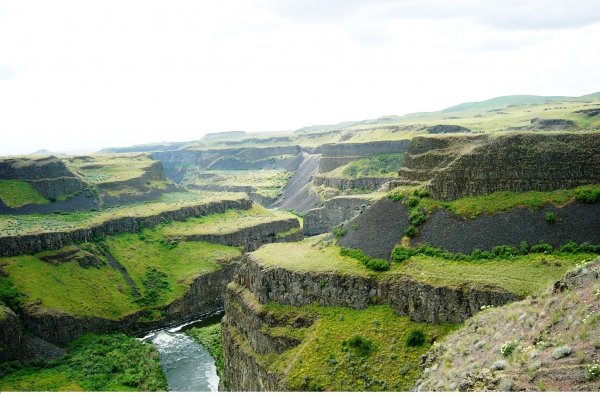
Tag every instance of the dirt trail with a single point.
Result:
(297, 195)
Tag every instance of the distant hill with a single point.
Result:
(504, 101)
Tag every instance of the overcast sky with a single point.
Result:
(91, 74)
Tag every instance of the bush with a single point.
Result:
(499, 365)
(592, 372)
(550, 217)
(401, 254)
(361, 345)
(396, 196)
(9, 294)
(415, 338)
(412, 202)
(420, 193)
(508, 348)
(410, 231)
(541, 248)
(378, 265)
(339, 231)
(417, 218)
(561, 351)
(588, 195)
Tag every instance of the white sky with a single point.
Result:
(90, 74)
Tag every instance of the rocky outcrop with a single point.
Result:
(536, 328)
(11, 334)
(576, 222)
(53, 180)
(378, 229)
(204, 296)
(456, 167)
(181, 163)
(573, 222)
(364, 149)
(335, 155)
(552, 124)
(415, 299)
(252, 237)
(32, 243)
(327, 164)
(334, 212)
(366, 183)
(33, 168)
(446, 129)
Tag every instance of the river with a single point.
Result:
(187, 365)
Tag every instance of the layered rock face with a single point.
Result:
(455, 167)
(179, 163)
(32, 243)
(575, 221)
(412, 298)
(370, 183)
(339, 154)
(53, 180)
(334, 212)
(11, 334)
(252, 237)
(243, 327)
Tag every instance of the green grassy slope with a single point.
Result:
(15, 193)
(93, 363)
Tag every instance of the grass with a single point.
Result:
(15, 193)
(210, 338)
(472, 207)
(181, 262)
(522, 275)
(70, 288)
(226, 222)
(93, 363)
(349, 350)
(380, 166)
(269, 183)
(16, 225)
(107, 169)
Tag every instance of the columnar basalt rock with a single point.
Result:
(11, 334)
(252, 237)
(455, 167)
(334, 212)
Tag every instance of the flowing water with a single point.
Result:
(187, 365)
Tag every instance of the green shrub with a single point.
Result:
(417, 218)
(9, 294)
(410, 231)
(401, 254)
(588, 195)
(508, 348)
(550, 217)
(339, 231)
(361, 345)
(371, 263)
(379, 265)
(504, 251)
(412, 202)
(415, 338)
(420, 193)
(541, 248)
(396, 196)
